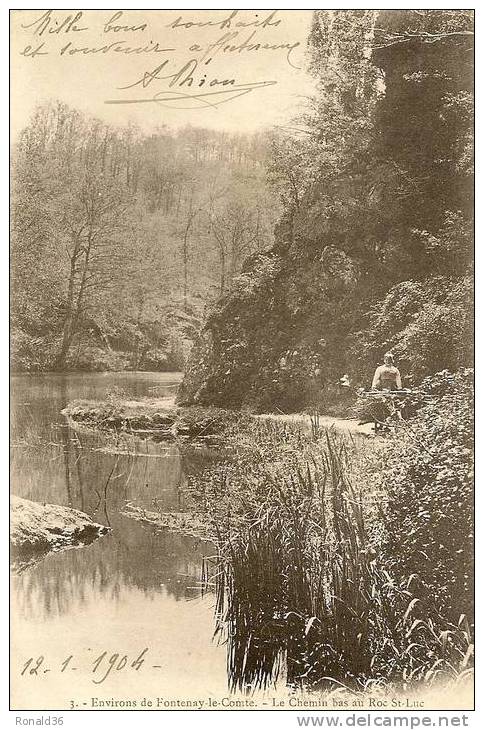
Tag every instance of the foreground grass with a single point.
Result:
(303, 585)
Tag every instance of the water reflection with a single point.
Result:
(133, 556)
(136, 570)
(87, 471)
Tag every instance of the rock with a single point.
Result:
(185, 523)
(144, 416)
(39, 528)
(157, 419)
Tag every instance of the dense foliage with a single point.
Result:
(373, 250)
(119, 239)
(311, 578)
(428, 477)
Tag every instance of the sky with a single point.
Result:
(170, 65)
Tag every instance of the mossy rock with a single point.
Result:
(150, 419)
(36, 529)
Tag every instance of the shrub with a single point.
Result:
(97, 359)
(441, 333)
(30, 353)
(428, 325)
(428, 476)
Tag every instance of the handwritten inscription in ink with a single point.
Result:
(100, 667)
(199, 55)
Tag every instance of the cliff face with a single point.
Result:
(374, 248)
(275, 341)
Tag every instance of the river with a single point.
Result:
(136, 589)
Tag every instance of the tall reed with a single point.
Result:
(302, 590)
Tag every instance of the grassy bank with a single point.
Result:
(343, 565)
(342, 561)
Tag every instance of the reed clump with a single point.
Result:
(304, 590)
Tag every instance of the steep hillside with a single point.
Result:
(374, 247)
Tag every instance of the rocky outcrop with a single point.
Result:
(273, 342)
(141, 417)
(36, 529)
(154, 419)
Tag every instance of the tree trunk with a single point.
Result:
(67, 333)
(185, 266)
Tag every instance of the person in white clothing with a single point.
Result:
(387, 376)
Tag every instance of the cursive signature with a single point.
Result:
(189, 77)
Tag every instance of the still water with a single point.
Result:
(135, 592)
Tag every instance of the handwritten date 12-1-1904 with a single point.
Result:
(100, 667)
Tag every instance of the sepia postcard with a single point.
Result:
(242, 352)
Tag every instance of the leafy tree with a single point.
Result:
(373, 249)
(115, 251)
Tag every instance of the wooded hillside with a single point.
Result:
(374, 247)
(120, 239)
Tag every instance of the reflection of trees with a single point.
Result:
(87, 470)
(134, 556)
(98, 475)
(104, 475)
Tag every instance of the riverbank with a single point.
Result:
(321, 540)
(140, 417)
(257, 452)
(200, 525)
(305, 523)
(161, 418)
